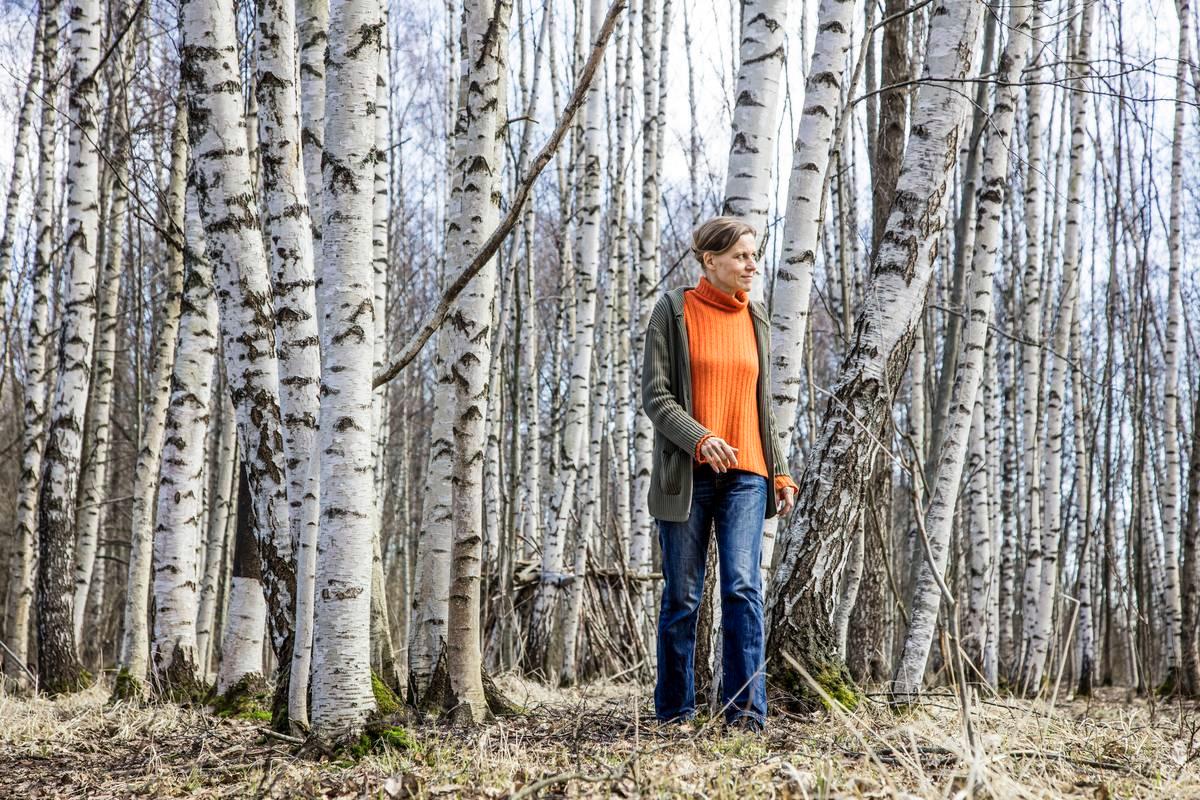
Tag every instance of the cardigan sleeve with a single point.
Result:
(658, 400)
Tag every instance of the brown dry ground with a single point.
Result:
(586, 743)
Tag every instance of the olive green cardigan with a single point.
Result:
(667, 401)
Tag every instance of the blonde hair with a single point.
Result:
(717, 235)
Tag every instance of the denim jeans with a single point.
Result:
(734, 503)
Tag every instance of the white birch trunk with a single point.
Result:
(225, 191)
(575, 425)
(59, 667)
(93, 479)
(755, 117)
(1031, 351)
(1046, 592)
(474, 212)
(642, 533)
(981, 558)
(431, 578)
(287, 228)
(939, 516)
(312, 27)
(1172, 485)
(802, 226)
(341, 662)
(21, 577)
(181, 494)
(818, 537)
(20, 162)
(135, 640)
(217, 538)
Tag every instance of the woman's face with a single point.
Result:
(735, 268)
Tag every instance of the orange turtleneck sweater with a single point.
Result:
(724, 361)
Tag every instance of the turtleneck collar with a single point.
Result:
(713, 296)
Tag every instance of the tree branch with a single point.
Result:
(434, 320)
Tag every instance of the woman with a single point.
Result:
(706, 387)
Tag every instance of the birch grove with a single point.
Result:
(323, 327)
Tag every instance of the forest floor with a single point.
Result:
(586, 743)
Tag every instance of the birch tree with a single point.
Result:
(135, 640)
(178, 520)
(579, 398)
(756, 105)
(800, 630)
(59, 670)
(1171, 490)
(224, 189)
(927, 599)
(802, 221)
(287, 228)
(473, 215)
(21, 578)
(341, 675)
(1038, 643)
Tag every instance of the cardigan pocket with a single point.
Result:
(669, 478)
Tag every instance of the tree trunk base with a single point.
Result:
(180, 682)
(439, 699)
(794, 689)
(129, 689)
(68, 680)
(249, 698)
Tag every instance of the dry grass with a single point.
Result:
(1115, 746)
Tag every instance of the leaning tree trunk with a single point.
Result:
(748, 183)
(135, 638)
(939, 517)
(21, 577)
(474, 214)
(802, 224)
(225, 191)
(341, 676)
(1042, 630)
(290, 259)
(177, 524)
(58, 663)
(1170, 491)
(800, 633)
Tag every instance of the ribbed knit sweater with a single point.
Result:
(724, 359)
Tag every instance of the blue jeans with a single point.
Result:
(735, 502)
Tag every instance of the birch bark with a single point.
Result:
(575, 425)
(181, 494)
(12, 199)
(1039, 640)
(288, 230)
(341, 660)
(1171, 490)
(802, 224)
(58, 664)
(225, 192)
(817, 539)
(939, 516)
(135, 639)
(755, 110)
(21, 580)
(474, 213)
(94, 474)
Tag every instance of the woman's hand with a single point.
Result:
(719, 454)
(785, 499)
